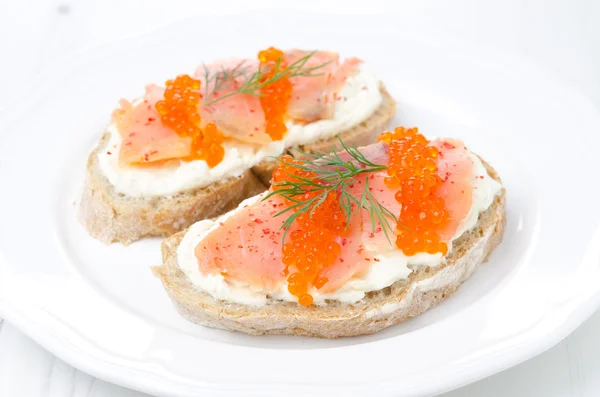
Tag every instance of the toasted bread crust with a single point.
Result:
(379, 309)
(113, 217)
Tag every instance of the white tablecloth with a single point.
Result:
(563, 36)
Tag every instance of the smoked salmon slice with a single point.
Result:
(247, 245)
(145, 140)
(455, 167)
(313, 98)
(241, 116)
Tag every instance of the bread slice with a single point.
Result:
(114, 217)
(360, 135)
(110, 216)
(379, 309)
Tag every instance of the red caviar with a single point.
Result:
(210, 148)
(275, 96)
(179, 111)
(312, 246)
(412, 169)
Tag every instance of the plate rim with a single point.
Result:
(102, 369)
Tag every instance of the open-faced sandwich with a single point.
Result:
(196, 147)
(343, 244)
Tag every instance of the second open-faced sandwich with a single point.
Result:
(344, 244)
(196, 147)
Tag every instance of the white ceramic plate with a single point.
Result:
(100, 309)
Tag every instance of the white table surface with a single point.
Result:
(561, 36)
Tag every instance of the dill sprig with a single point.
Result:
(221, 78)
(253, 83)
(333, 174)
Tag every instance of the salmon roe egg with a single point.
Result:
(179, 111)
(412, 169)
(276, 95)
(312, 246)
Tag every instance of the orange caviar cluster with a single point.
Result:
(275, 96)
(210, 147)
(312, 246)
(179, 111)
(412, 169)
